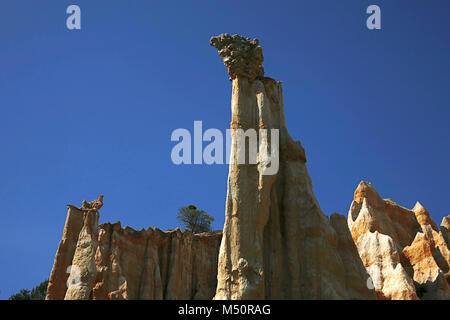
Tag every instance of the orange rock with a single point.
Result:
(358, 282)
(403, 250)
(57, 287)
(110, 262)
(423, 216)
(277, 243)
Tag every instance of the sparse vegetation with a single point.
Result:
(37, 293)
(197, 221)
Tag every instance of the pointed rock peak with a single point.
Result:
(365, 190)
(446, 222)
(336, 215)
(419, 209)
(339, 224)
(423, 216)
(365, 185)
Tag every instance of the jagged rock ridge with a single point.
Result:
(403, 250)
(111, 262)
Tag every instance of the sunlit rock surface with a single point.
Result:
(277, 243)
(111, 262)
(403, 250)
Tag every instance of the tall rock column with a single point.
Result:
(57, 286)
(84, 269)
(277, 243)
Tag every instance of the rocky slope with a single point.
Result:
(110, 262)
(403, 250)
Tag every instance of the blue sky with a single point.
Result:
(91, 111)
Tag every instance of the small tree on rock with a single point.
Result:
(197, 221)
(37, 293)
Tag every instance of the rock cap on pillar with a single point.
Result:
(242, 56)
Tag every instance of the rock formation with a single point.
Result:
(110, 262)
(403, 250)
(242, 56)
(277, 243)
(75, 221)
(357, 279)
(93, 205)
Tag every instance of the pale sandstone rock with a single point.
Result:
(382, 261)
(423, 216)
(383, 215)
(277, 243)
(152, 264)
(242, 56)
(429, 265)
(110, 262)
(83, 267)
(444, 240)
(403, 250)
(359, 285)
(57, 282)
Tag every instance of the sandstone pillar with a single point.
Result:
(277, 243)
(57, 287)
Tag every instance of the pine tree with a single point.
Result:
(197, 221)
(37, 293)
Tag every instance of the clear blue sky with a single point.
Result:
(91, 111)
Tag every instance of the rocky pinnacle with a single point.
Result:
(242, 56)
(276, 243)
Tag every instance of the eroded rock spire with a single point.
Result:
(277, 243)
(242, 56)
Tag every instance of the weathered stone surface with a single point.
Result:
(382, 261)
(83, 267)
(110, 262)
(444, 241)
(152, 264)
(423, 216)
(429, 265)
(242, 56)
(277, 243)
(369, 212)
(357, 280)
(57, 282)
(403, 250)
(93, 205)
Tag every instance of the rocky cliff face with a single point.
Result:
(110, 262)
(358, 283)
(403, 250)
(277, 243)
(75, 221)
